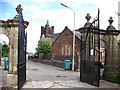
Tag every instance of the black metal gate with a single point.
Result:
(90, 54)
(22, 41)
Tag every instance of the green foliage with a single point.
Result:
(44, 46)
(114, 79)
(4, 50)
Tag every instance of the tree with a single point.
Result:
(4, 50)
(44, 46)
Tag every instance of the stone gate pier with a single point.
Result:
(10, 29)
(101, 46)
(112, 72)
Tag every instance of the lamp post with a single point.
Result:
(73, 35)
(118, 21)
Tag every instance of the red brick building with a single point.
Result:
(63, 45)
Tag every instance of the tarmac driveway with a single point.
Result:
(43, 72)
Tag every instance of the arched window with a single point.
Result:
(69, 50)
(62, 50)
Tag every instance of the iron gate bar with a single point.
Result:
(90, 28)
(98, 47)
(89, 66)
(22, 42)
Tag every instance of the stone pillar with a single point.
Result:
(13, 50)
(86, 26)
(112, 60)
(13, 47)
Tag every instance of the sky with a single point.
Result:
(37, 12)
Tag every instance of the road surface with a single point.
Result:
(46, 76)
(43, 72)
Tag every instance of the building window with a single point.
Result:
(62, 50)
(68, 50)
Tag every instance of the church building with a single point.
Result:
(62, 44)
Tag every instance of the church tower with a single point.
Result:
(47, 32)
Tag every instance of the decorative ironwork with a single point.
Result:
(22, 43)
(90, 52)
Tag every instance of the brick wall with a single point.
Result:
(65, 38)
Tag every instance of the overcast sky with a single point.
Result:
(37, 12)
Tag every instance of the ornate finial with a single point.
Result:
(19, 8)
(110, 27)
(111, 20)
(88, 17)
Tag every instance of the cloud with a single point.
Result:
(37, 12)
(4, 38)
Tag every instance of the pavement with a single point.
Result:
(69, 84)
(57, 84)
(3, 75)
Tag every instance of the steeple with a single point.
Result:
(47, 31)
(47, 23)
(47, 28)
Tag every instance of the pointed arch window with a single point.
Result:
(69, 50)
(62, 50)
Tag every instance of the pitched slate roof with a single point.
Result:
(77, 34)
(56, 35)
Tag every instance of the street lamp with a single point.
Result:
(73, 35)
(118, 20)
